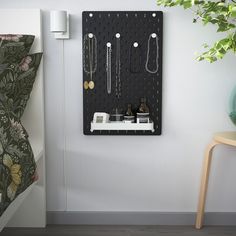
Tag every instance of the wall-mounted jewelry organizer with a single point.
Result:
(122, 63)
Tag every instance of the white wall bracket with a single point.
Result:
(60, 24)
(64, 35)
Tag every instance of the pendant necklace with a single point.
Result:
(108, 67)
(118, 65)
(154, 37)
(90, 59)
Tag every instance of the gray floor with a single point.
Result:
(122, 231)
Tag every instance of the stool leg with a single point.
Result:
(204, 184)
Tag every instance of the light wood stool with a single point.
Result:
(228, 138)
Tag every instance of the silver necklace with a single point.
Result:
(118, 65)
(152, 36)
(108, 67)
(90, 54)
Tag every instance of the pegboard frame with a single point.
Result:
(133, 26)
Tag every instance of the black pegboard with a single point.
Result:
(136, 82)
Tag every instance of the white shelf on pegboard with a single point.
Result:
(122, 126)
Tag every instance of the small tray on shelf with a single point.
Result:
(122, 126)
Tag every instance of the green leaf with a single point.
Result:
(187, 4)
(232, 11)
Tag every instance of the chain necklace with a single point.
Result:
(152, 36)
(118, 65)
(108, 67)
(90, 54)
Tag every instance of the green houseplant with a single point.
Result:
(222, 14)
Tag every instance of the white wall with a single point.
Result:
(159, 173)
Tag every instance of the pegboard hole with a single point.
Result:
(135, 44)
(90, 14)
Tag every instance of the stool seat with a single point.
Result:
(228, 138)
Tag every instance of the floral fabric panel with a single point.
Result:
(17, 165)
(17, 75)
(16, 82)
(13, 47)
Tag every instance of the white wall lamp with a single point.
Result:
(60, 24)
